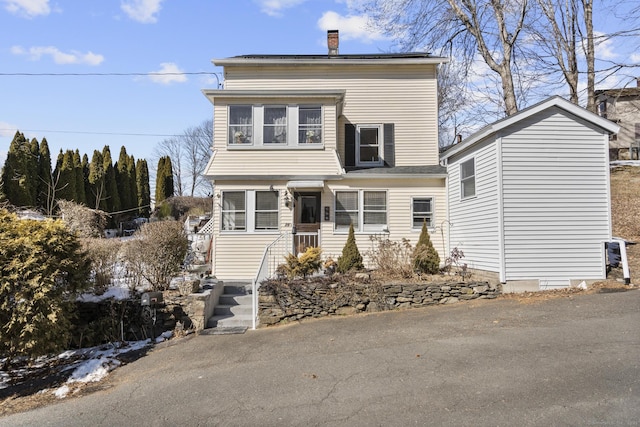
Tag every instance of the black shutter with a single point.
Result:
(349, 145)
(389, 145)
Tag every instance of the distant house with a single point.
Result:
(528, 197)
(623, 107)
(305, 145)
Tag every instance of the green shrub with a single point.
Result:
(42, 269)
(307, 263)
(425, 258)
(350, 258)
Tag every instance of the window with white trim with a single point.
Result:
(421, 211)
(365, 209)
(275, 126)
(467, 179)
(234, 211)
(310, 124)
(240, 124)
(266, 210)
(250, 211)
(369, 145)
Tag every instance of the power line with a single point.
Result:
(94, 133)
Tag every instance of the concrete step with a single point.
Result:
(235, 299)
(233, 309)
(227, 321)
(238, 288)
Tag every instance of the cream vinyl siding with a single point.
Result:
(399, 196)
(405, 95)
(475, 220)
(556, 198)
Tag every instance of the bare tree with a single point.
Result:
(173, 147)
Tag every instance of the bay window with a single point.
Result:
(274, 130)
(240, 124)
(310, 125)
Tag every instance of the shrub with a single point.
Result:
(103, 255)
(350, 258)
(84, 221)
(391, 258)
(425, 258)
(42, 269)
(157, 252)
(307, 263)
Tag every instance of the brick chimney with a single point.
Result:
(332, 42)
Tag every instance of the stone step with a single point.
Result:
(235, 310)
(235, 299)
(227, 321)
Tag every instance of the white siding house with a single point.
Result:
(528, 196)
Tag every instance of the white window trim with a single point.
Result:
(250, 213)
(475, 188)
(256, 211)
(433, 213)
(257, 139)
(380, 128)
(382, 228)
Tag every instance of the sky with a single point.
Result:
(150, 59)
(109, 37)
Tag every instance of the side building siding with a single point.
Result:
(556, 198)
(475, 221)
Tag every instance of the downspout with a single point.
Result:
(501, 250)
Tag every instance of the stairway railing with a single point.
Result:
(272, 257)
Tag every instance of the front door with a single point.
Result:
(307, 220)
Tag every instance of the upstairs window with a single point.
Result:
(467, 179)
(240, 124)
(310, 125)
(369, 145)
(274, 130)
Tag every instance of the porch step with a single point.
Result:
(235, 307)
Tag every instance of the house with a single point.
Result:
(623, 107)
(305, 145)
(528, 197)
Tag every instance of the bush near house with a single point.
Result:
(350, 258)
(42, 269)
(425, 258)
(307, 263)
(391, 259)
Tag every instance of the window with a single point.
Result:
(234, 211)
(274, 129)
(467, 179)
(366, 210)
(421, 211)
(310, 125)
(368, 145)
(240, 124)
(266, 211)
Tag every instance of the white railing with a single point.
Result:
(272, 257)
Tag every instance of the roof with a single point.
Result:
(554, 101)
(433, 171)
(362, 59)
(625, 91)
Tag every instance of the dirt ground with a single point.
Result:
(625, 202)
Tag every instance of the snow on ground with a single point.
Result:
(624, 163)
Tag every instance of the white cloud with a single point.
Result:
(27, 8)
(144, 11)
(167, 74)
(7, 129)
(275, 7)
(604, 48)
(35, 53)
(352, 27)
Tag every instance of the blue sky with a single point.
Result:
(161, 36)
(143, 36)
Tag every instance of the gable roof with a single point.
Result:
(360, 59)
(554, 101)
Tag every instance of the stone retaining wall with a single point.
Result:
(283, 302)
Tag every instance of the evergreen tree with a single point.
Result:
(144, 191)
(168, 173)
(122, 179)
(31, 162)
(425, 258)
(97, 183)
(44, 176)
(133, 182)
(16, 185)
(160, 181)
(66, 188)
(85, 179)
(350, 258)
(111, 186)
(79, 174)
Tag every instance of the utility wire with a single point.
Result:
(114, 74)
(93, 133)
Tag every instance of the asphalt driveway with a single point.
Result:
(567, 361)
